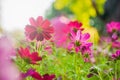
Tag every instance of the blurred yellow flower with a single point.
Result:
(94, 36)
(60, 4)
(100, 5)
(82, 9)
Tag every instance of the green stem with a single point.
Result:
(100, 76)
(76, 67)
(116, 77)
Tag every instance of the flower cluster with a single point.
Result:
(79, 41)
(113, 29)
(60, 49)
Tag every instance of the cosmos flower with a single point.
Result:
(29, 57)
(116, 55)
(38, 29)
(37, 76)
(113, 27)
(114, 36)
(116, 44)
(79, 42)
(60, 36)
(78, 39)
(75, 25)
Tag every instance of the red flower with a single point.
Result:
(74, 25)
(116, 55)
(48, 77)
(37, 76)
(39, 29)
(29, 57)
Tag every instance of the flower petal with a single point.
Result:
(45, 24)
(85, 37)
(33, 22)
(49, 30)
(29, 28)
(32, 35)
(34, 56)
(39, 20)
(78, 35)
(46, 35)
(37, 76)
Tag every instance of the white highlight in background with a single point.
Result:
(16, 13)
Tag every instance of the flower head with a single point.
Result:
(38, 29)
(29, 57)
(113, 26)
(116, 55)
(60, 25)
(79, 39)
(73, 26)
(116, 44)
(37, 76)
(79, 42)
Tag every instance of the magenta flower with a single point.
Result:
(29, 57)
(8, 70)
(113, 26)
(79, 37)
(114, 36)
(116, 55)
(48, 77)
(39, 29)
(74, 25)
(37, 76)
(60, 36)
(79, 43)
(78, 40)
(28, 73)
(116, 44)
(31, 72)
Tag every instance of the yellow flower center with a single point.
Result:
(39, 30)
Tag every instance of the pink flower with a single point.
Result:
(60, 36)
(114, 36)
(48, 77)
(79, 37)
(116, 44)
(39, 29)
(33, 73)
(74, 25)
(86, 47)
(29, 57)
(37, 76)
(79, 42)
(113, 26)
(116, 55)
(8, 70)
